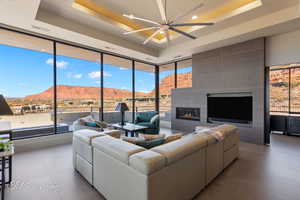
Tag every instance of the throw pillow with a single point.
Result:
(102, 124)
(171, 138)
(154, 118)
(148, 144)
(151, 137)
(92, 124)
(216, 134)
(82, 122)
(132, 140)
(113, 133)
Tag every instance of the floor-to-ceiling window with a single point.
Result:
(166, 84)
(279, 90)
(26, 80)
(117, 77)
(171, 76)
(78, 83)
(144, 87)
(295, 89)
(284, 84)
(184, 74)
(32, 83)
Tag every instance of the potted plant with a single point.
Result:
(5, 145)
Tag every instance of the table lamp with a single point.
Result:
(122, 107)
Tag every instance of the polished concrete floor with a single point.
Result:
(261, 173)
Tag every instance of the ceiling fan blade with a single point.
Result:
(180, 17)
(193, 24)
(162, 10)
(139, 30)
(183, 33)
(141, 19)
(153, 35)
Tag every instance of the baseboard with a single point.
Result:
(42, 142)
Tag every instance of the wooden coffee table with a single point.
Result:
(130, 128)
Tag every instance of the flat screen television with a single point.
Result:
(230, 109)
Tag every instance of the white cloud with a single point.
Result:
(49, 61)
(77, 76)
(123, 68)
(60, 64)
(97, 74)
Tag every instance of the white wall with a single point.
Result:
(283, 49)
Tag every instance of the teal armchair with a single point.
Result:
(149, 119)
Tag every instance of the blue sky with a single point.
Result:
(24, 72)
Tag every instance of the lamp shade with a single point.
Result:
(121, 107)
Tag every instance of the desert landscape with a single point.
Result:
(36, 109)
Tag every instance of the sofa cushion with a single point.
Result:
(148, 144)
(179, 149)
(173, 137)
(86, 135)
(147, 162)
(116, 148)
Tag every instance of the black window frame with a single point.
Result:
(28, 133)
(289, 89)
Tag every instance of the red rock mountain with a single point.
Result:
(81, 92)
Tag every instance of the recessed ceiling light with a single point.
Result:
(195, 17)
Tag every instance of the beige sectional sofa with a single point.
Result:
(178, 170)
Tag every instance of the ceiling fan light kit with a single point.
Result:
(166, 25)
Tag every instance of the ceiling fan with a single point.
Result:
(166, 25)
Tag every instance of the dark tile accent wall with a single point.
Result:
(232, 69)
